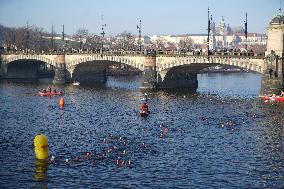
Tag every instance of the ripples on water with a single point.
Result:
(220, 137)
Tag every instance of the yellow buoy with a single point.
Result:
(41, 146)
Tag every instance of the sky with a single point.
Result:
(159, 17)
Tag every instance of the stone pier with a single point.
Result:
(149, 75)
(272, 81)
(177, 78)
(60, 70)
(270, 85)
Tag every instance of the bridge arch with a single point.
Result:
(251, 64)
(131, 61)
(91, 68)
(49, 60)
(27, 66)
(181, 71)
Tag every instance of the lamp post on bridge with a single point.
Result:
(103, 35)
(52, 37)
(27, 37)
(63, 38)
(139, 31)
(282, 65)
(81, 41)
(208, 33)
(246, 30)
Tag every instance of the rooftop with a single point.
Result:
(278, 19)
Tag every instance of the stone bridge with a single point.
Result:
(161, 70)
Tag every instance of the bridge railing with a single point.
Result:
(70, 53)
(30, 53)
(139, 53)
(171, 53)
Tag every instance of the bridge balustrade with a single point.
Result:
(139, 53)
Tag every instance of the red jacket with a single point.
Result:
(144, 107)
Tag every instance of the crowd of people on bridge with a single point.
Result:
(12, 49)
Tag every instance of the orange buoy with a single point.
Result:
(166, 130)
(61, 102)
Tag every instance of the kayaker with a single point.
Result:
(145, 97)
(48, 89)
(282, 94)
(54, 91)
(144, 107)
(44, 90)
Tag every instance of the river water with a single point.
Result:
(221, 136)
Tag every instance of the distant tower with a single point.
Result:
(212, 41)
(139, 27)
(223, 31)
(229, 30)
(275, 32)
(222, 26)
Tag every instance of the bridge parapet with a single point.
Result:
(192, 53)
(171, 53)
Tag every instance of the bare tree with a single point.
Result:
(258, 48)
(93, 42)
(159, 44)
(125, 41)
(170, 46)
(81, 35)
(20, 38)
(186, 43)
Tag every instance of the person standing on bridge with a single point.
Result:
(275, 74)
(270, 72)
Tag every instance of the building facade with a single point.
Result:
(275, 32)
(222, 36)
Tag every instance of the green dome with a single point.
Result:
(278, 19)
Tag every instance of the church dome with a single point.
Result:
(278, 19)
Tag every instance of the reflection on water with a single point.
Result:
(221, 136)
(239, 85)
(132, 82)
(41, 167)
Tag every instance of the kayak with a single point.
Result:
(144, 99)
(76, 83)
(271, 98)
(144, 113)
(49, 94)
